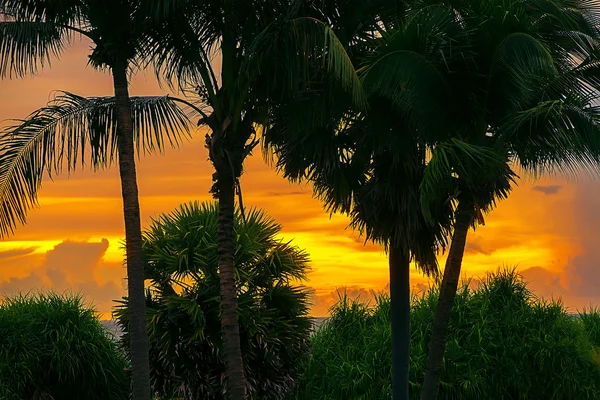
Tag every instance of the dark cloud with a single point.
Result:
(578, 282)
(547, 189)
(32, 282)
(17, 252)
(474, 246)
(543, 283)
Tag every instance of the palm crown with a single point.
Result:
(181, 256)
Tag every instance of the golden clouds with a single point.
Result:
(70, 266)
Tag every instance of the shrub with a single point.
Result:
(183, 302)
(53, 347)
(503, 344)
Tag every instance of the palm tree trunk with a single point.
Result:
(437, 344)
(140, 380)
(230, 330)
(400, 315)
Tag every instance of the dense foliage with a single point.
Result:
(186, 357)
(503, 344)
(54, 347)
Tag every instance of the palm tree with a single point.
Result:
(527, 94)
(34, 31)
(370, 165)
(264, 49)
(75, 130)
(180, 250)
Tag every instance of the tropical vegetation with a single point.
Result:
(503, 343)
(411, 117)
(186, 350)
(265, 49)
(121, 32)
(54, 347)
(459, 93)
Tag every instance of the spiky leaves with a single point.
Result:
(32, 32)
(457, 168)
(26, 46)
(180, 249)
(70, 131)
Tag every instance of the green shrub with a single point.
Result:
(503, 344)
(53, 347)
(591, 321)
(183, 302)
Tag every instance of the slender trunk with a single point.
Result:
(437, 344)
(400, 315)
(230, 330)
(140, 379)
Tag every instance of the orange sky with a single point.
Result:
(549, 228)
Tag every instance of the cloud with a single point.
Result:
(74, 267)
(292, 193)
(32, 282)
(16, 252)
(577, 279)
(474, 246)
(548, 189)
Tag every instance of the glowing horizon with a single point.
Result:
(549, 228)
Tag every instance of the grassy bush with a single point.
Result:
(53, 347)
(503, 344)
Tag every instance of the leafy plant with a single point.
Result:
(186, 350)
(503, 344)
(54, 347)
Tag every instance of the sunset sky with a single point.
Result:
(548, 228)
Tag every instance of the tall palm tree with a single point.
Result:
(75, 130)
(263, 49)
(370, 165)
(34, 31)
(527, 94)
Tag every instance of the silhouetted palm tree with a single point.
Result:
(527, 93)
(370, 165)
(415, 72)
(180, 251)
(33, 31)
(241, 57)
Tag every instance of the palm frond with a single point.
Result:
(555, 136)
(414, 86)
(27, 45)
(520, 66)
(455, 163)
(286, 54)
(74, 130)
(62, 12)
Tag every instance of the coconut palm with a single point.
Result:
(180, 251)
(34, 31)
(75, 130)
(241, 58)
(527, 94)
